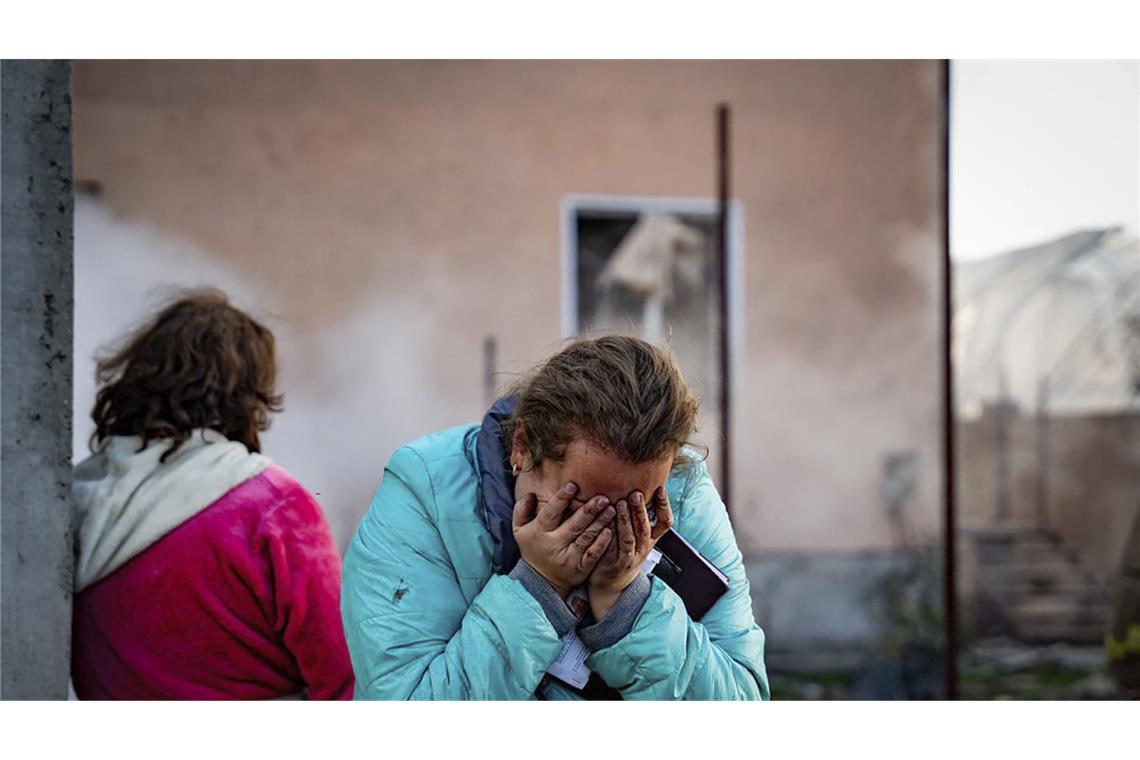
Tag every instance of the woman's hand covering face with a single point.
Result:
(623, 558)
(563, 549)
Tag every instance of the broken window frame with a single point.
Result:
(577, 205)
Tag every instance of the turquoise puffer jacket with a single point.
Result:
(427, 618)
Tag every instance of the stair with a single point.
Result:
(1033, 587)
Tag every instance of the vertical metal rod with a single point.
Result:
(1001, 414)
(1043, 453)
(490, 349)
(723, 116)
(949, 505)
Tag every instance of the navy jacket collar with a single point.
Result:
(496, 485)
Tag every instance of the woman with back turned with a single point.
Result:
(203, 571)
(456, 582)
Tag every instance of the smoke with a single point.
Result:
(354, 390)
(123, 272)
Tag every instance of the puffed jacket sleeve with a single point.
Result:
(666, 654)
(411, 632)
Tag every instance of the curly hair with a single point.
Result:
(199, 363)
(619, 392)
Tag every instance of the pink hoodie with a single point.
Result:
(240, 601)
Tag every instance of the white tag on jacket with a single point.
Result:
(570, 665)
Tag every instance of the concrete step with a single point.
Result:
(1059, 620)
(1045, 629)
(1036, 579)
(1061, 608)
(1072, 594)
(1029, 547)
(1025, 542)
(1037, 587)
(1043, 552)
(1058, 570)
(1027, 537)
(1045, 633)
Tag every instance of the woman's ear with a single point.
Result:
(520, 451)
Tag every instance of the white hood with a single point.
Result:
(124, 499)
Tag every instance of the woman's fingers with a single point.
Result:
(550, 514)
(611, 557)
(591, 556)
(627, 540)
(583, 518)
(664, 513)
(641, 526)
(523, 511)
(587, 537)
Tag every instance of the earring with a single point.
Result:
(514, 470)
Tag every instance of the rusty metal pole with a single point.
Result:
(490, 351)
(722, 169)
(949, 520)
(1002, 414)
(1042, 433)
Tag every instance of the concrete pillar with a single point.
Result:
(36, 301)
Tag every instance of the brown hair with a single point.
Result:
(199, 363)
(619, 392)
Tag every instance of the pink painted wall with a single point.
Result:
(386, 216)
